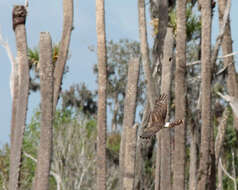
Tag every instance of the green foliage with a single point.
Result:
(72, 130)
(91, 128)
(193, 23)
(4, 165)
(80, 98)
(230, 140)
(113, 142)
(33, 60)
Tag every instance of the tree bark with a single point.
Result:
(130, 155)
(19, 16)
(125, 159)
(163, 157)
(102, 82)
(46, 123)
(193, 156)
(180, 98)
(63, 48)
(150, 91)
(160, 12)
(226, 49)
(206, 95)
(115, 113)
(221, 135)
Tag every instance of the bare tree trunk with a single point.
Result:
(221, 135)
(158, 166)
(206, 95)
(180, 98)
(127, 140)
(163, 157)
(193, 156)
(159, 11)
(141, 148)
(47, 93)
(150, 92)
(145, 53)
(130, 152)
(102, 106)
(229, 61)
(63, 49)
(19, 16)
(115, 113)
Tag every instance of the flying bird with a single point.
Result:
(157, 118)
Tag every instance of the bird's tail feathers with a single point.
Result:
(174, 123)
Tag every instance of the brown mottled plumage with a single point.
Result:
(157, 118)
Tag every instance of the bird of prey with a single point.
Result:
(157, 118)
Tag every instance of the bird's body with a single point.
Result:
(157, 118)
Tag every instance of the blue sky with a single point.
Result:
(45, 15)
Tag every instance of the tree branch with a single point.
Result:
(220, 57)
(227, 174)
(232, 101)
(13, 62)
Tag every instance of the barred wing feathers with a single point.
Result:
(156, 118)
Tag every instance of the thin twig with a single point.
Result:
(234, 169)
(220, 57)
(225, 171)
(223, 69)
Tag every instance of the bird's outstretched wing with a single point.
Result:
(156, 118)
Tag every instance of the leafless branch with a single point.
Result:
(6, 46)
(31, 157)
(220, 57)
(223, 69)
(232, 100)
(228, 175)
(225, 171)
(234, 169)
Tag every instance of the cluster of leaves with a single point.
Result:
(80, 98)
(33, 60)
(193, 23)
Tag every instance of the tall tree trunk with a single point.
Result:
(226, 49)
(221, 135)
(159, 11)
(47, 93)
(102, 83)
(142, 149)
(193, 156)
(115, 113)
(206, 95)
(128, 140)
(19, 16)
(180, 98)
(63, 48)
(163, 156)
(150, 91)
